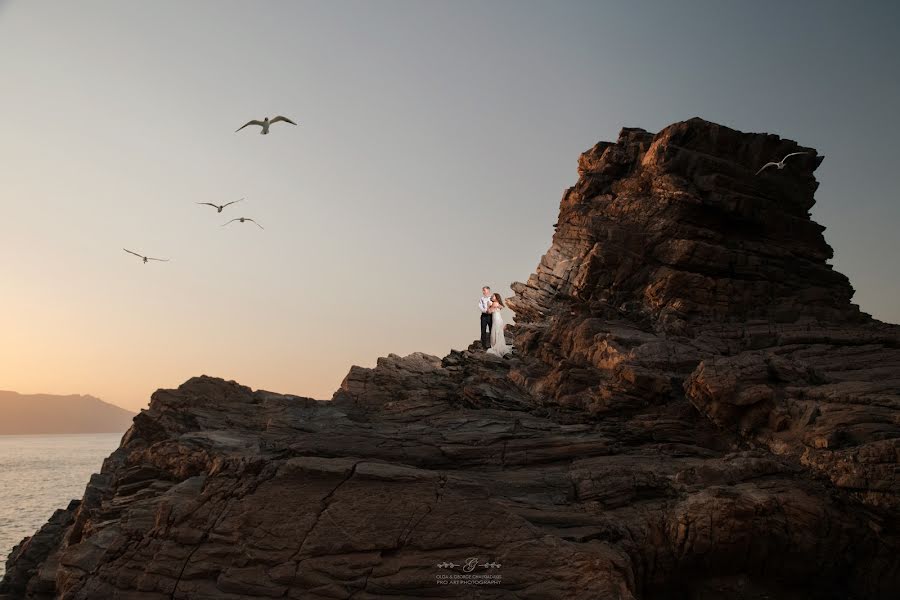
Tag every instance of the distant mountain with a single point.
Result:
(45, 413)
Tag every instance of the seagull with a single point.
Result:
(219, 207)
(265, 123)
(780, 165)
(145, 258)
(242, 219)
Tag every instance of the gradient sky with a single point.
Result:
(436, 140)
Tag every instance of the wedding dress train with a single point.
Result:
(499, 347)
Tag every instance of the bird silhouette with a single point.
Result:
(780, 165)
(242, 220)
(265, 123)
(219, 207)
(145, 258)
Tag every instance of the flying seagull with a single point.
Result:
(243, 219)
(780, 165)
(219, 207)
(265, 123)
(145, 258)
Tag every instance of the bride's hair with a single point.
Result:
(498, 299)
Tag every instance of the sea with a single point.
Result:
(40, 473)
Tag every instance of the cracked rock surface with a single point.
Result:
(694, 410)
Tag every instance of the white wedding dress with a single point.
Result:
(499, 347)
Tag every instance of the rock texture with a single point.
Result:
(695, 410)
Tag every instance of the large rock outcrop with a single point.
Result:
(695, 410)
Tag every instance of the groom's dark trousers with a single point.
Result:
(486, 320)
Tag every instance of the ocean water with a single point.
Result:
(40, 473)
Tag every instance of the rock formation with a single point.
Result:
(695, 410)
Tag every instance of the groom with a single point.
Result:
(486, 317)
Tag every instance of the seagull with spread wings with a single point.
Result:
(780, 165)
(265, 123)
(219, 207)
(145, 258)
(242, 220)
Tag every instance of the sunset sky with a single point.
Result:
(435, 141)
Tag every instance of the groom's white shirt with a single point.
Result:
(484, 303)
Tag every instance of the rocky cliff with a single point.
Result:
(695, 410)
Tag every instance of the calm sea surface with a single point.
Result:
(40, 473)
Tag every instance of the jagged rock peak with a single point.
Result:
(677, 229)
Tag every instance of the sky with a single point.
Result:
(435, 141)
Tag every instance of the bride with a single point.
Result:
(498, 340)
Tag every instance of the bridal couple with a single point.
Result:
(492, 337)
